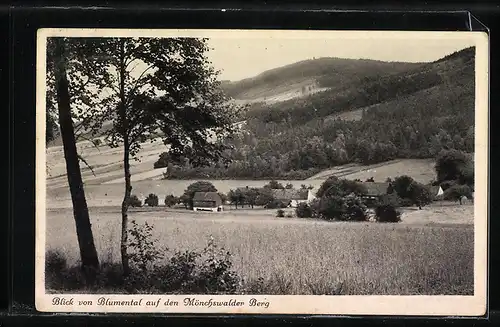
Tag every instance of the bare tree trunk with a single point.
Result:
(126, 164)
(88, 253)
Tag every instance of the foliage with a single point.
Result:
(209, 271)
(274, 185)
(298, 138)
(303, 210)
(151, 200)
(334, 186)
(386, 213)
(391, 199)
(280, 213)
(455, 192)
(171, 200)
(275, 203)
(454, 165)
(332, 207)
(355, 209)
(143, 249)
(420, 194)
(148, 88)
(402, 186)
(236, 197)
(134, 201)
(264, 197)
(406, 202)
(348, 208)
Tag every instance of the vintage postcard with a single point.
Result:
(262, 172)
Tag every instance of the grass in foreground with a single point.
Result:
(338, 258)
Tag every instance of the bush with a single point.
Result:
(151, 200)
(455, 192)
(303, 210)
(406, 203)
(134, 201)
(355, 209)
(389, 199)
(143, 252)
(208, 271)
(280, 213)
(275, 204)
(387, 213)
(171, 200)
(331, 207)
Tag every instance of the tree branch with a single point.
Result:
(85, 162)
(134, 88)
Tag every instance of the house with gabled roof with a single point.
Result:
(292, 196)
(375, 190)
(207, 201)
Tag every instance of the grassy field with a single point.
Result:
(422, 170)
(297, 256)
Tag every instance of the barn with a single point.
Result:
(207, 201)
(374, 191)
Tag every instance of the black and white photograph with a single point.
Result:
(262, 172)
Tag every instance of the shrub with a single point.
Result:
(143, 252)
(303, 210)
(134, 201)
(171, 200)
(191, 272)
(402, 185)
(387, 213)
(406, 202)
(334, 186)
(455, 192)
(280, 213)
(208, 271)
(332, 207)
(275, 204)
(151, 200)
(355, 209)
(389, 199)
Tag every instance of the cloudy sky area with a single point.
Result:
(240, 58)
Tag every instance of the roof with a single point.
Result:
(290, 194)
(207, 196)
(376, 189)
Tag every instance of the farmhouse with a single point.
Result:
(375, 191)
(207, 201)
(292, 196)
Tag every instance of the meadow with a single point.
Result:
(303, 256)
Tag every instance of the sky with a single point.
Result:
(244, 57)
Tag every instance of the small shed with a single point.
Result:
(207, 201)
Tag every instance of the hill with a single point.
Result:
(412, 114)
(453, 72)
(308, 75)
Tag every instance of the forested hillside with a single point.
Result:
(412, 113)
(326, 72)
